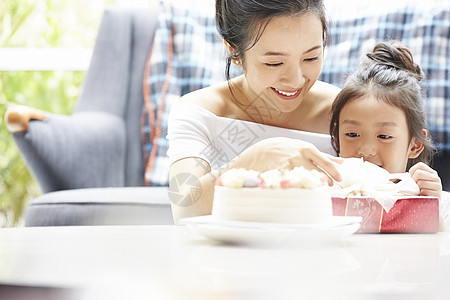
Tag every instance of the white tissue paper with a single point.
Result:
(362, 178)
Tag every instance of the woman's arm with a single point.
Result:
(192, 182)
(191, 188)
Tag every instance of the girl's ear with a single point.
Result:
(416, 146)
(335, 138)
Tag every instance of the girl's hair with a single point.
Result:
(390, 75)
(242, 22)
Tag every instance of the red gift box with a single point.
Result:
(416, 214)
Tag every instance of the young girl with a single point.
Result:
(378, 116)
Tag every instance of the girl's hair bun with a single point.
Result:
(395, 56)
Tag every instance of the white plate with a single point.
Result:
(238, 232)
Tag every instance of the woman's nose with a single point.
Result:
(295, 76)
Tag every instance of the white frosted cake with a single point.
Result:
(285, 196)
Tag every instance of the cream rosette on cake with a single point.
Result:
(362, 178)
(285, 196)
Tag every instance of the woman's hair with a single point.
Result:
(390, 75)
(242, 22)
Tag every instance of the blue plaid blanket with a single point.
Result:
(422, 27)
(189, 54)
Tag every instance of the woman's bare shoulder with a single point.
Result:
(321, 97)
(325, 91)
(210, 98)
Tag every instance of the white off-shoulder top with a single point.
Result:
(196, 132)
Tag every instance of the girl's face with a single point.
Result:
(285, 62)
(378, 132)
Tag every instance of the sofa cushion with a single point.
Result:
(101, 206)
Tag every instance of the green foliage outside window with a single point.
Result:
(38, 23)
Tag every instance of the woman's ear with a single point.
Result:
(231, 51)
(416, 146)
(228, 46)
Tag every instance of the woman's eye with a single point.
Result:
(274, 65)
(312, 58)
(352, 134)
(384, 136)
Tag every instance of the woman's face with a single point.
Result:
(285, 62)
(377, 132)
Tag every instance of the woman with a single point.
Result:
(275, 115)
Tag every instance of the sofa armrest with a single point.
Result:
(79, 151)
(18, 117)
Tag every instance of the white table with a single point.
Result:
(171, 262)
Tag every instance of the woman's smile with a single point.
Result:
(287, 95)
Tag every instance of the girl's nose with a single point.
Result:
(367, 150)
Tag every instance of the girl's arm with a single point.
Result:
(427, 179)
(430, 185)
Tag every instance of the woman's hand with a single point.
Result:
(427, 179)
(280, 152)
(191, 188)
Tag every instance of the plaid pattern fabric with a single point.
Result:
(188, 54)
(425, 29)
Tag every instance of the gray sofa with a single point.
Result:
(90, 165)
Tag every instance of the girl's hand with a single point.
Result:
(280, 152)
(427, 179)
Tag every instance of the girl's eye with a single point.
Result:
(352, 134)
(274, 65)
(384, 136)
